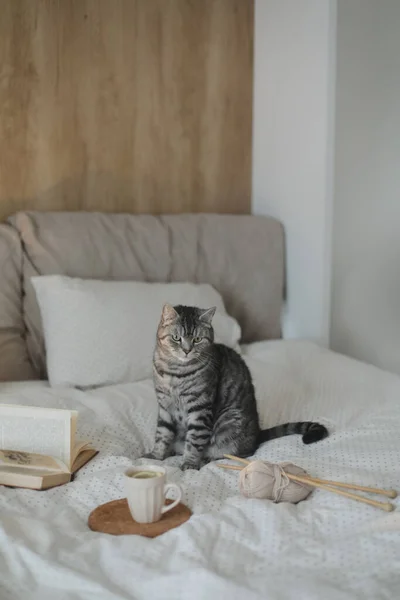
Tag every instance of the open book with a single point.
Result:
(38, 449)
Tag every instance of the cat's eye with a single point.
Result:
(197, 340)
(176, 338)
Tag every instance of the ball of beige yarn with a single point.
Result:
(263, 479)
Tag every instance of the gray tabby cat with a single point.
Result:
(207, 404)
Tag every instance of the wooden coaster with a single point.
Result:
(115, 518)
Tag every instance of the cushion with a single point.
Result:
(241, 256)
(104, 332)
(14, 361)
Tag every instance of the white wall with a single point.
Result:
(366, 226)
(292, 148)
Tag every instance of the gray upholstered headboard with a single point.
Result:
(241, 256)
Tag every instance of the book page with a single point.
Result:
(79, 447)
(16, 460)
(45, 431)
(72, 435)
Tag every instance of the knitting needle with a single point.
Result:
(242, 460)
(350, 486)
(233, 467)
(387, 506)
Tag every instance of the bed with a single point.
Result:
(325, 547)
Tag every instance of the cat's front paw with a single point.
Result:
(186, 465)
(150, 456)
(155, 454)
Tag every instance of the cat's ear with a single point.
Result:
(169, 314)
(207, 315)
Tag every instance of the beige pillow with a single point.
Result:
(104, 332)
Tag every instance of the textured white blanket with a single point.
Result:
(326, 548)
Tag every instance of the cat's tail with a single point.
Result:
(311, 432)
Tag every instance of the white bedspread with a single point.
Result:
(324, 548)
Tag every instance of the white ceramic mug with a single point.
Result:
(146, 487)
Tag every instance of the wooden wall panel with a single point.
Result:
(125, 105)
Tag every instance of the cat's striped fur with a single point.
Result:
(207, 405)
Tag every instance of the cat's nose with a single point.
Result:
(186, 346)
